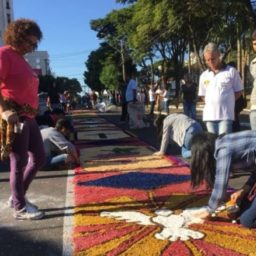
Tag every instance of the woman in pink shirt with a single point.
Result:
(20, 136)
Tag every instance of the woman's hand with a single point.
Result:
(10, 117)
(237, 195)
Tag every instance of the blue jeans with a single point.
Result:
(189, 109)
(190, 132)
(55, 161)
(152, 107)
(219, 127)
(248, 216)
(253, 119)
(165, 106)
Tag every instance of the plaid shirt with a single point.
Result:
(232, 151)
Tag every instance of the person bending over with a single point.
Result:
(179, 128)
(213, 158)
(60, 152)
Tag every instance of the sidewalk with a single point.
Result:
(50, 191)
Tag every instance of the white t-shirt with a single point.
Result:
(132, 85)
(151, 95)
(219, 92)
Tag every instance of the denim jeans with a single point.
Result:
(152, 107)
(219, 127)
(55, 161)
(192, 130)
(253, 119)
(189, 109)
(165, 106)
(248, 216)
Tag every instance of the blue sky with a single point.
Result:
(66, 30)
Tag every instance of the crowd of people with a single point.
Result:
(33, 142)
(216, 152)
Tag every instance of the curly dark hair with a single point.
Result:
(203, 162)
(17, 32)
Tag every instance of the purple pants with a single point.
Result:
(26, 158)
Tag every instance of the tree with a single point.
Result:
(110, 75)
(45, 82)
(95, 64)
(113, 30)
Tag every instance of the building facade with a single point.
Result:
(39, 61)
(6, 16)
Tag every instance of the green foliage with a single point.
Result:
(62, 84)
(45, 82)
(110, 75)
(154, 31)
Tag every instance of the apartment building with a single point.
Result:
(39, 61)
(6, 16)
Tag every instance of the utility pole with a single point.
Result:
(122, 59)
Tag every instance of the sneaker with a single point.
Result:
(32, 207)
(26, 214)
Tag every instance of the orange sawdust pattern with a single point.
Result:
(142, 247)
(233, 242)
(102, 249)
(231, 229)
(97, 235)
(143, 160)
(194, 250)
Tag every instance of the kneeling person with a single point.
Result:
(179, 128)
(59, 150)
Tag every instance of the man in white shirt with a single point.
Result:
(253, 93)
(219, 86)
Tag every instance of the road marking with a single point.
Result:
(67, 248)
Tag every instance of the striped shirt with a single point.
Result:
(232, 151)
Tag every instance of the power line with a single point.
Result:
(70, 54)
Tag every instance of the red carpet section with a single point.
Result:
(124, 195)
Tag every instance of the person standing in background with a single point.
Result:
(152, 99)
(124, 115)
(189, 91)
(253, 93)
(219, 86)
(131, 99)
(18, 105)
(53, 100)
(165, 100)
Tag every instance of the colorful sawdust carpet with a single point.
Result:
(119, 193)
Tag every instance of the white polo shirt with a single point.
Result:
(219, 92)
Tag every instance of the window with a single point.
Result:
(8, 5)
(8, 18)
